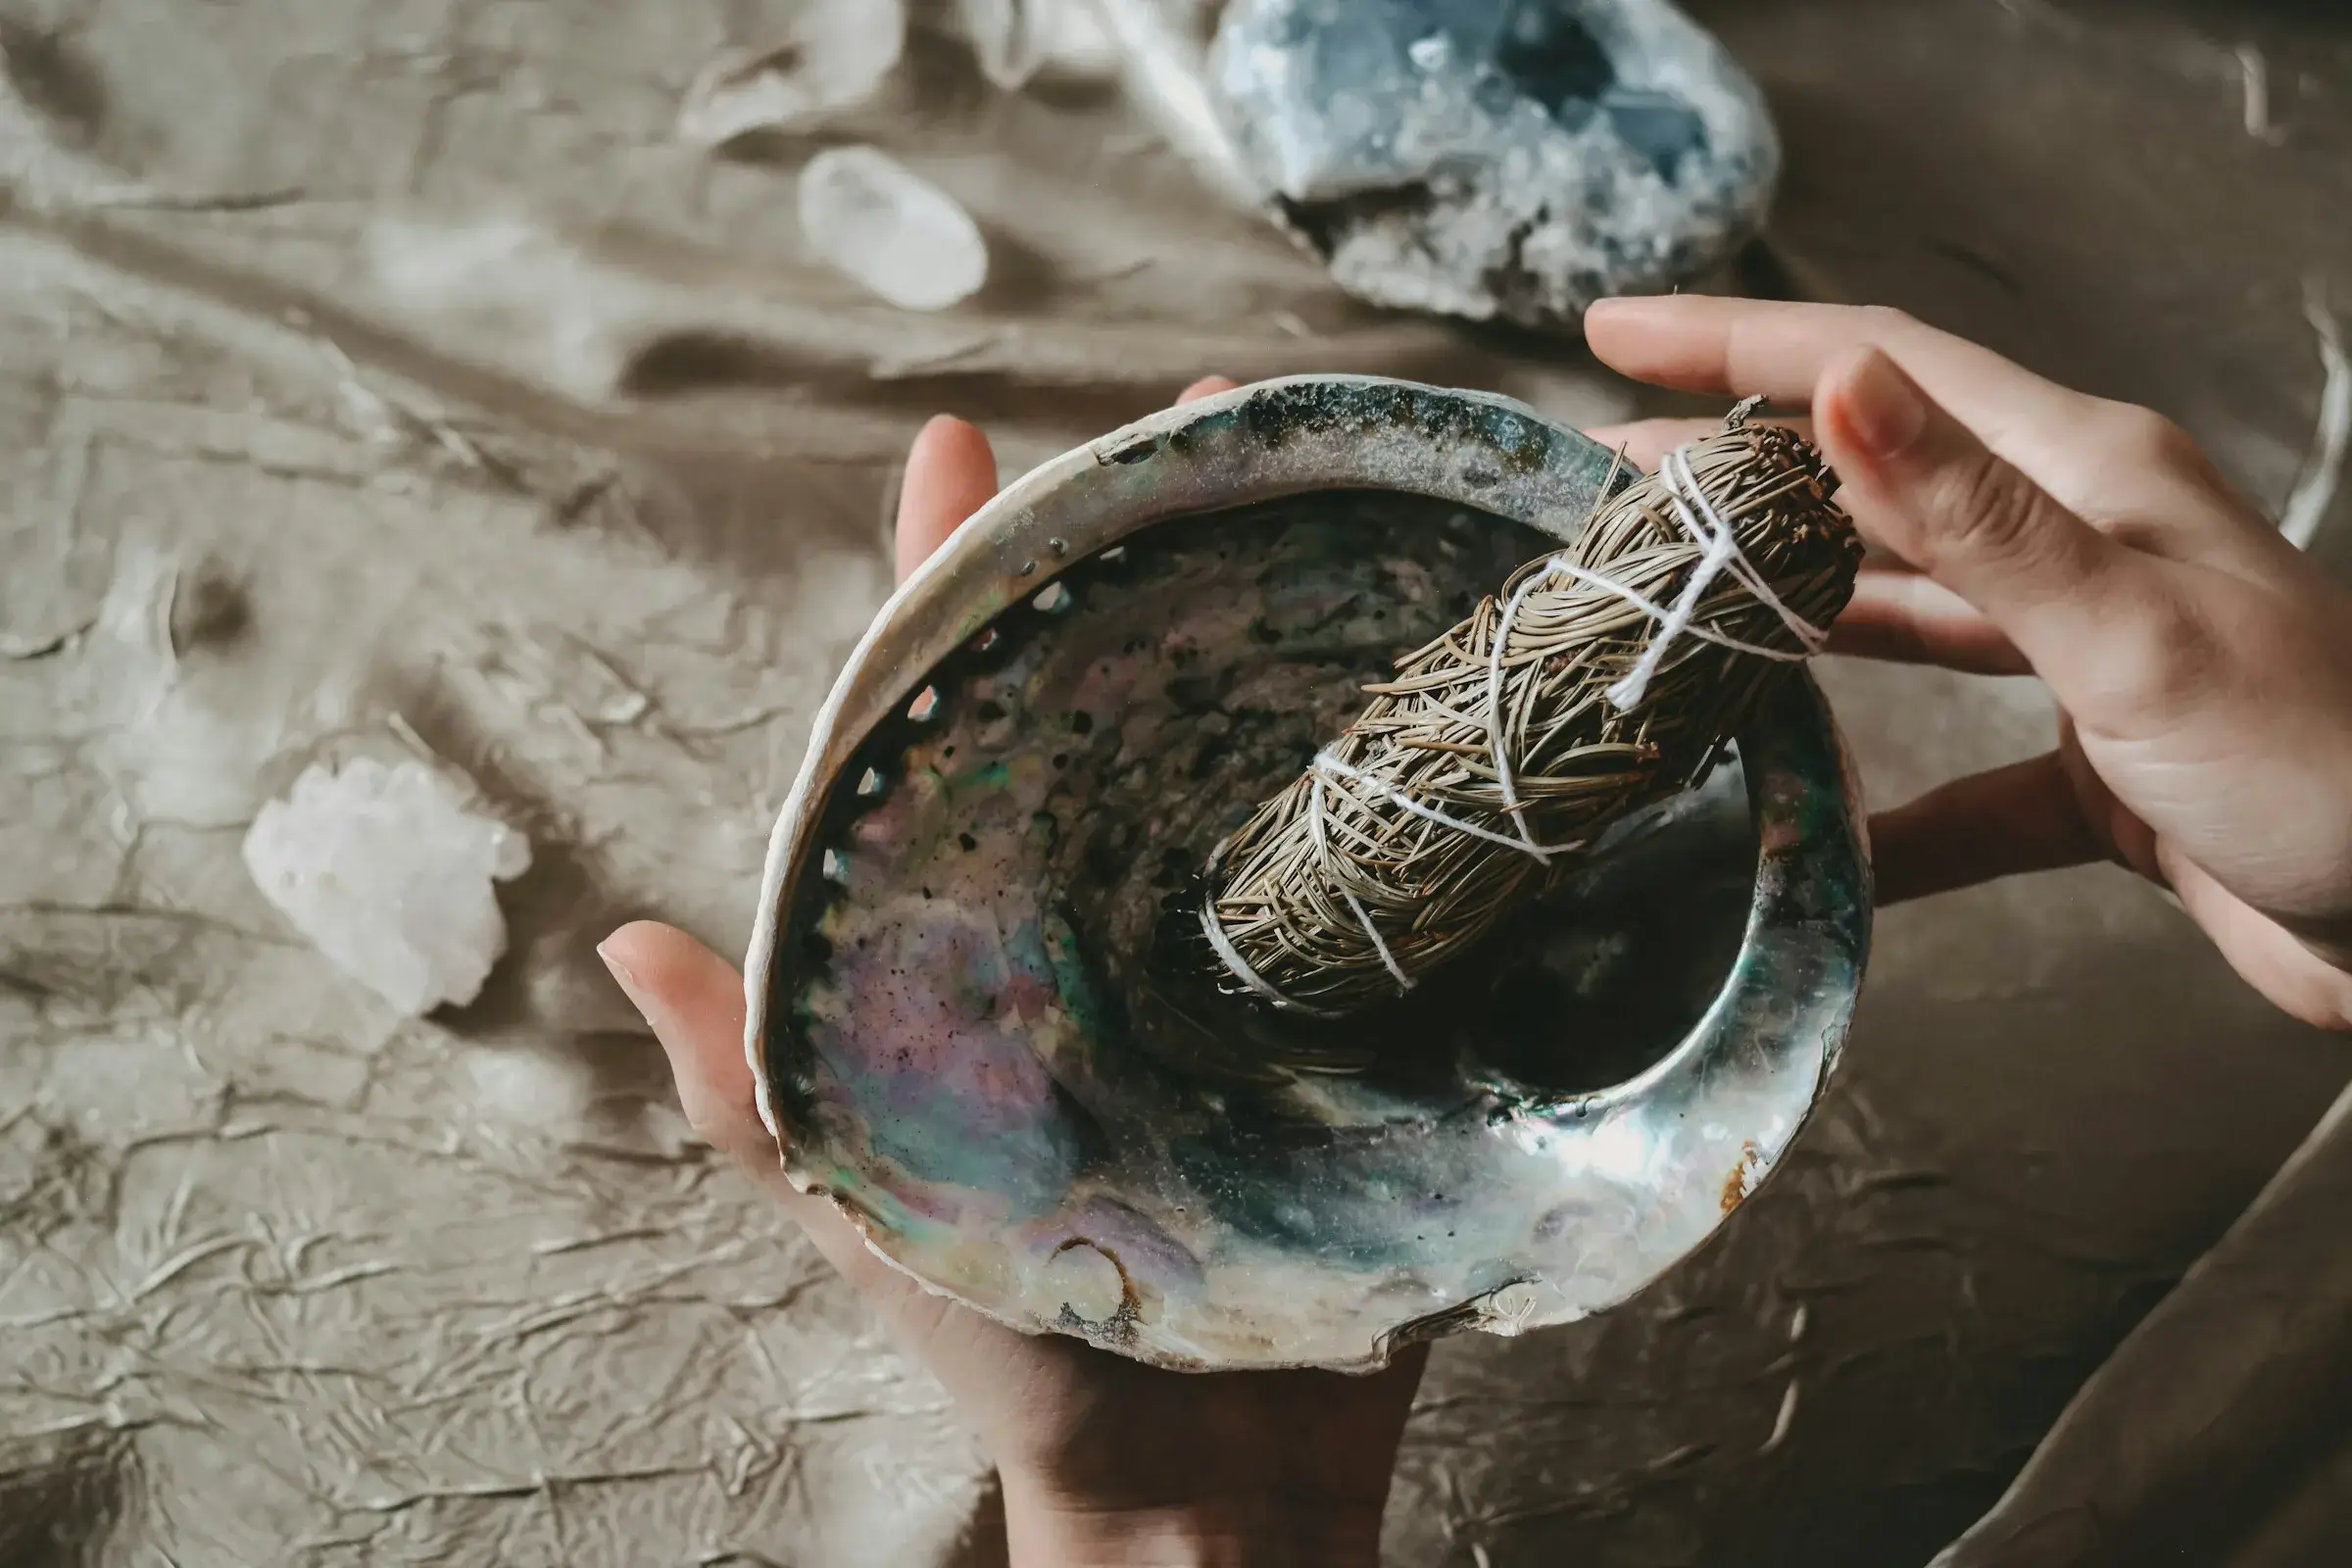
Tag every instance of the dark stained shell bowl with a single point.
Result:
(971, 1029)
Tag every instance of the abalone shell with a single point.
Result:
(972, 1032)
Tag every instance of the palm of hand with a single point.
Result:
(1099, 1432)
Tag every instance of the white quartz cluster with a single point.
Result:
(390, 872)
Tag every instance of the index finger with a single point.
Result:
(1778, 351)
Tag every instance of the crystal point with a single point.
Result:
(869, 215)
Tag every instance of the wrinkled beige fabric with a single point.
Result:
(363, 357)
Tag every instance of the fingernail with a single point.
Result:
(628, 982)
(1622, 302)
(1884, 409)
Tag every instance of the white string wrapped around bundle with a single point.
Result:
(1601, 679)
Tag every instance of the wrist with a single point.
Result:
(1045, 1530)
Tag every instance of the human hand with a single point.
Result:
(2202, 665)
(1102, 1460)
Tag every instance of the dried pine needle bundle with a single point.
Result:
(1600, 680)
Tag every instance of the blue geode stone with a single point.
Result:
(1496, 157)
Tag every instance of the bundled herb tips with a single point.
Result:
(1600, 680)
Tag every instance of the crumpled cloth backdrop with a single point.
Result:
(362, 357)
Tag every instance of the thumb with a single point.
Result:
(693, 1000)
(1922, 485)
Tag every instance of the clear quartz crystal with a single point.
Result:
(389, 871)
(829, 55)
(911, 243)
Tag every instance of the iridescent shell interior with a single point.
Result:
(974, 1032)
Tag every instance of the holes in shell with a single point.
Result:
(924, 706)
(995, 723)
(1099, 1298)
(987, 641)
(1054, 599)
(869, 784)
(836, 867)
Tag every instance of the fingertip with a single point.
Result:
(1607, 321)
(659, 960)
(1870, 406)
(1208, 386)
(1616, 325)
(1624, 307)
(2005, 822)
(951, 473)
(1637, 443)
(1833, 392)
(631, 953)
(693, 1000)
(1644, 443)
(949, 447)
